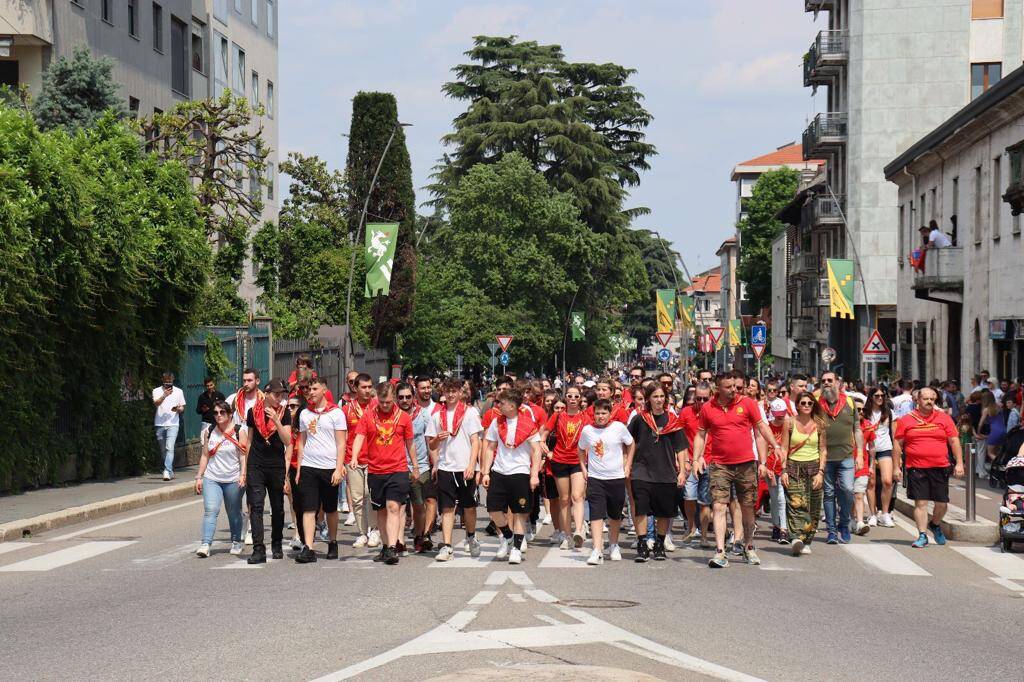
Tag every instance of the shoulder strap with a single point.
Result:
(209, 431)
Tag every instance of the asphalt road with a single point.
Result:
(126, 598)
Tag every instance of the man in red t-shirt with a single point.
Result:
(387, 434)
(925, 437)
(731, 420)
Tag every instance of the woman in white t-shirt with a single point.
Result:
(880, 414)
(606, 455)
(221, 477)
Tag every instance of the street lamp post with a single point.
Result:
(683, 355)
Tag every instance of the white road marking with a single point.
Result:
(1007, 566)
(64, 557)
(1009, 584)
(483, 597)
(775, 566)
(548, 619)
(516, 597)
(462, 559)
(6, 547)
(516, 577)
(559, 558)
(68, 536)
(236, 565)
(541, 596)
(885, 558)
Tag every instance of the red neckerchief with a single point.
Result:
(869, 430)
(525, 427)
(840, 404)
(259, 416)
(672, 425)
(328, 406)
(570, 428)
(386, 428)
(358, 410)
(460, 413)
(921, 420)
(790, 407)
(227, 437)
(240, 403)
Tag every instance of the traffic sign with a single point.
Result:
(664, 338)
(758, 349)
(759, 335)
(875, 349)
(504, 340)
(692, 353)
(716, 334)
(493, 347)
(664, 354)
(503, 359)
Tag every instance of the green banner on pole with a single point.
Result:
(380, 257)
(579, 329)
(686, 308)
(840, 287)
(666, 310)
(735, 333)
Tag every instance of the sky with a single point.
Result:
(722, 79)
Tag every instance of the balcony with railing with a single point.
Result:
(814, 292)
(943, 277)
(826, 57)
(825, 134)
(819, 5)
(803, 329)
(804, 264)
(824, 211)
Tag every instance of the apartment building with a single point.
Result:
(887, 73)
(164, 53)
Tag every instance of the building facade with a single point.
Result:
(963, 311)
(164, 53)
(889, 73)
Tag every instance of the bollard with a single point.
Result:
(971, 483)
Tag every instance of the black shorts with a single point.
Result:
(606, 498)
(509, 491)
(655, 499)
(452, 490)
(931, 483)
(315, 490)
(550, 487)
(386, 488)
(560, 470)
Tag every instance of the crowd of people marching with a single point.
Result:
(616, 454)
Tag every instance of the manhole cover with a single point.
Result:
(597, 603)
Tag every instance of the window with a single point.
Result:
(254, 12)
(932, 216)
(107, 11)
(179, 56)
(910, 228)
(977, 206)
(986, 9)
(220, 11)
(922, 219)
(270, 100)
(254, 89)
(132, 16)
(220, 65)
(997, 199)
(198, 42)
(984, 76)
(133, 107)
(158, 27)
(238, 6)
(270, 18)
(270, 181)
(956, 208)
(238, 75)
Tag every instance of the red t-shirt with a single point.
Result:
(925, 439)
(489, 416)
(353, 414)
(731, 426)
(691, 424)
(384, 449)
(567, 437)
(620, 413)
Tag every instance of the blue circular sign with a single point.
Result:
(664, 354)
(503, 358)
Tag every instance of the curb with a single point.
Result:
(16, 530)
(955, 525)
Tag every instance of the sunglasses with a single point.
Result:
(405, 397)
(878, 395)
(636, 376)
(700, 399)
(219, 412)
(784, 391)
(805, 403)
(293, 407)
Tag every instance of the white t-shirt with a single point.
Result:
(902, 405)
(938, 239)
(165, 416)
(320, 450)
(249, 403)
(225, 466)
(883, 439)
(454, 451)
(511, 460)
(613, 438)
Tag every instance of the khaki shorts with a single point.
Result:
(724, 477)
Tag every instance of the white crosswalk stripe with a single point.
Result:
(66, 556)
(884, 558)
(6, 547)
(1006, 566)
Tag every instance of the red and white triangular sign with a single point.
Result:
(758, 349)
(664, 338)
(875, 345)
(716, 334)
(504, 340)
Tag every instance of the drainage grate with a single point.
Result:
(597, 603)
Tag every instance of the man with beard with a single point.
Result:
(845, 442)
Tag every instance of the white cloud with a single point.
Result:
(763, 74)
(475, 20)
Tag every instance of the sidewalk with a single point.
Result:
(38, 510)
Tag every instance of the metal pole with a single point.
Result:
(565, 332)
(971, 483)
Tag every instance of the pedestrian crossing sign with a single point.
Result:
(875, 350)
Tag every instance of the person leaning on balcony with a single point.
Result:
(934, 237)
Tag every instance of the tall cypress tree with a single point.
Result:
(374, 117)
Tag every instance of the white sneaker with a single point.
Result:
(445, 554)
(515, 556)
(596, 559)
(374, 539)
(248, 537)
(669, 545)
(797, 548)
(502, 549)
(237, 548)
(615, 554)
(474, 547)
(350, 520)
(564, 544)
(543, 519)
(167, 476)
(531, 533)
(805, 550)
(344, 507)
(872, 520)
(296, 544)
(650, 543)
(886, 520)
(203, 551)
(861, 528)
(522, 546)
(577, 540)
(360, 542)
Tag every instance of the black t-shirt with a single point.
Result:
(655, 461)
(263, 452)
(204, 406)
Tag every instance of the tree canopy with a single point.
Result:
(773, 190)
(76, 92)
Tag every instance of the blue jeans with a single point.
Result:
(777, 495)
(838, 475)
(214, 494)
(166, 436)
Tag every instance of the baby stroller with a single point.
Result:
(997, 467)
(1011, 512)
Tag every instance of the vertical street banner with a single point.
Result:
(840, 287)
(666, 310)
(380, 257)
(686, 307)
(579, 329)
(735, 333)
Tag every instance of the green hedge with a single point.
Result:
(104, 257)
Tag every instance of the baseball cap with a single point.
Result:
(778, 407)
(275, 386)
(589, 384)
